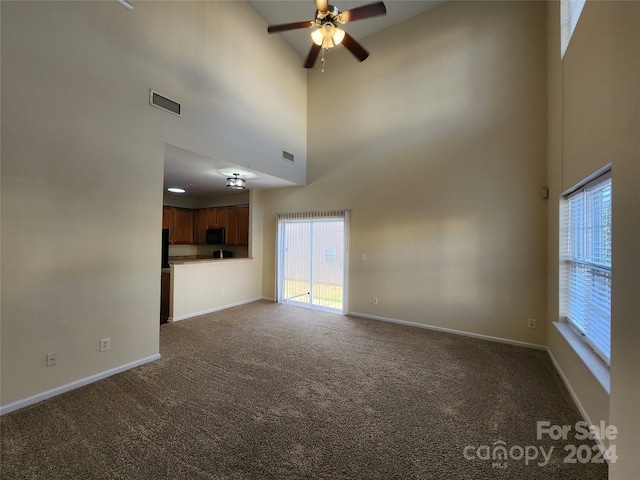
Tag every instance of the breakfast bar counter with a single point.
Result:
(186, 260)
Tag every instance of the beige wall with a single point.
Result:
(200, 288)
(594, 119)
(82, 164)
(437, 145)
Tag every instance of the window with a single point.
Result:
(330, 254)
(587, 213)
(570, 11)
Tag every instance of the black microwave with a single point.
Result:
(215, 236)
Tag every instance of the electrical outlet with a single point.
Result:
(222, 292)
(52, 359)
(363, 257)
(532, 323)
(374, 300)
(105, 344)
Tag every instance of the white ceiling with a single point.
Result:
(205, 177)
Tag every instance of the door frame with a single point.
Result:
(310, 217)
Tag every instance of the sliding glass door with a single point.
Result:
(311, 260)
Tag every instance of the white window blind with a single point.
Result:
(588, 212)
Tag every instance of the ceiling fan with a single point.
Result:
(328, 34)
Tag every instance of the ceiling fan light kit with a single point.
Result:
(328, 34)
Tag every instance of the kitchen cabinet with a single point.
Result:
(179, 221)
(205, 218)
(216, 217)
(167, 217)
(188, 226)
(200, 225)
(237, 225)
(183, 226)
(243, 225)
(165, 297)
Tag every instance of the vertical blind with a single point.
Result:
(589, 263)
(312, 215)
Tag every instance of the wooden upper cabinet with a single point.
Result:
(205, 218)
(237, 225)
(216, 217)
(167, 217)
(179, 221)
(200, 225)
(243, 224)
(183, 226)
(187, 226)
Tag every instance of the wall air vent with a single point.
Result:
(287, 156)
(164, 103)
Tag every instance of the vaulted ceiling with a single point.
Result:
(183, 168)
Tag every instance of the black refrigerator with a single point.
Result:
(165, 248)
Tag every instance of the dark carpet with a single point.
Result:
(265, 391)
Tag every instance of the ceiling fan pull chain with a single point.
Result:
(323, 61)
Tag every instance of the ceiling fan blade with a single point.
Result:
(289, 26)
(322, 5)
(365, 11)
(313, 56)
(354, 47)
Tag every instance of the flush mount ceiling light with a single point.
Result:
(235, 182)
(176, 190)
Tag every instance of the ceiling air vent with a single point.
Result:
(164, 103)
(287, 156)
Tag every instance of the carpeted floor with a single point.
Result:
(265, 391)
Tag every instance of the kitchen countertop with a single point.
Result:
(189, 259)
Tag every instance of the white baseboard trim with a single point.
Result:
(449, 330)
(214, 309)
(73, 385)
(576, 400)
